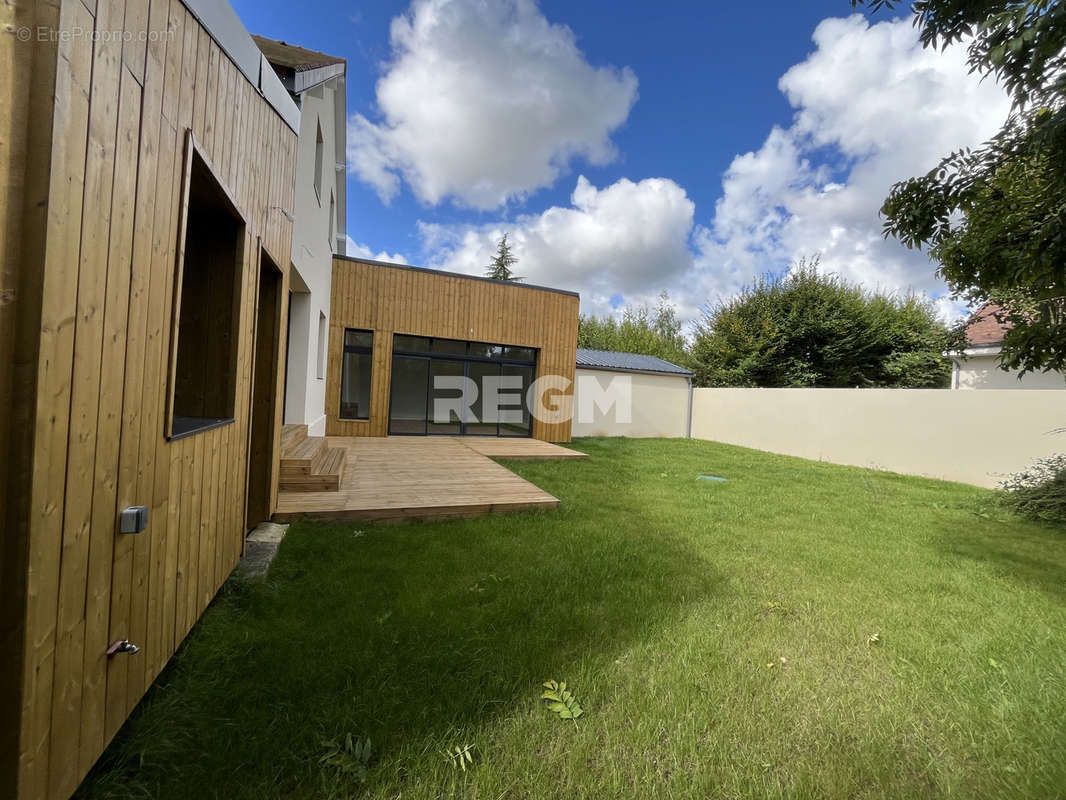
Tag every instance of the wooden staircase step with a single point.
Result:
(291, 436)
(304, 458)
(326, 477)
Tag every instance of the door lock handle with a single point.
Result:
(123, 646)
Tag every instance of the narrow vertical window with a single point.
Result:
(319, 151)
(321, 371)
(332, 222)
(356, 365)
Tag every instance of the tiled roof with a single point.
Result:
(283, 54)
(984, 329)
(626, 362)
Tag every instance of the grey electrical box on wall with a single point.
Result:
(133, 519)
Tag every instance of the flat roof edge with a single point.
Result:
(225, 27)
(668, 373)
(372, 262)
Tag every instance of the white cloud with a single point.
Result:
(356, 250)
(629, 239)
(484, 102)
(872, 108)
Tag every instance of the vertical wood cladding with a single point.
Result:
(110, 118)
(393, 299)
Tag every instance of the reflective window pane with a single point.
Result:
(446, 382)
(481, 421)
(483, 350)
(449, 346)
(515, 419)
(355, 385)
(358, 339)
(410, 344)
(407, 409)
(520, 353)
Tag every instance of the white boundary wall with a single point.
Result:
(659, 405)
(971, 437)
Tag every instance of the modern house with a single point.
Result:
(395, 329)
(146, 222)
(166, 193)
(316, 82)
(977, 367)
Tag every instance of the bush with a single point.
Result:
(1039, 492)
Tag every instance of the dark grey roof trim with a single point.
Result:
(224, 26)
(337, 256)
(613, 361)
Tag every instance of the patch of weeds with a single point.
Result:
(561, 700)
(460, 756)
(350, 757)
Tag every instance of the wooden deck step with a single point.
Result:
(325, 477)
(304, 458)
(291, 436)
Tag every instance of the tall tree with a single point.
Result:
(500, 267)
(995, 217)
(814, 329)
(641, 329)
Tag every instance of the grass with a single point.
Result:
(803, 630)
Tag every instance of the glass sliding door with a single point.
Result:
(429, 376)
(445, 396)
(515, 419)
(408, 406)
(481, 420)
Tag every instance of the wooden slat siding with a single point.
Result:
(134, 48)
(42, 144)
(87, 699)
(98, 210)
(392, 300)
(104, 283)
(138, 485)
(140, 308)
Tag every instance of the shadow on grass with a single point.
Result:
(1030, 553)
(406, 634)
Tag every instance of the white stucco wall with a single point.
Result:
(983, 372)
(659, 405)
(312, 249)
(972, 437)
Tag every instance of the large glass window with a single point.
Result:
(356, 370)
(429, 376)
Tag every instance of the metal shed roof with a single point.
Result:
(626, 362)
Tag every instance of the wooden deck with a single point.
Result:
(399, 478)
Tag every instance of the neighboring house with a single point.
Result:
(395, 329)
(977, 367)
(146, 199)
(661, 395)
(316, 82)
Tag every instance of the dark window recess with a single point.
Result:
(356, 369)
(205, 370)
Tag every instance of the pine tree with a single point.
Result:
(500, 267)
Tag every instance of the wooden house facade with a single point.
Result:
(145, 222)
(394, 329)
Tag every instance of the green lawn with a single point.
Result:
(717, 636)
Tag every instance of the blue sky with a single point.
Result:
(702, 166)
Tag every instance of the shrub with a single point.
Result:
(1040, 491)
